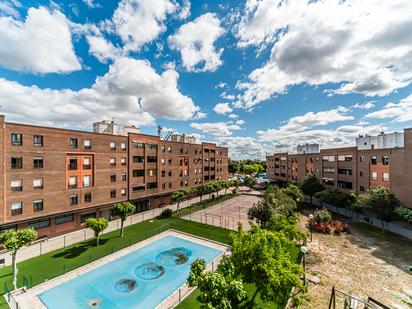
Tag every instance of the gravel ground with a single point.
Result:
(364, 262)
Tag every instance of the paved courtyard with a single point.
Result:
(228, 213)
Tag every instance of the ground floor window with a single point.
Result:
(86, 216)
(64, 218)
(40, 224)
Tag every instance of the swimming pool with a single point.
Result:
(140, 279)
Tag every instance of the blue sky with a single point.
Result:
(256, 76)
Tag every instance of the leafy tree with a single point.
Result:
(334, 197)
(179, 196)
(98, 225)
(262, 212)
(294, 192)
(404, 212)
(122, 210)
(225, 184)
(249, 182)
(14, 241)
(261, 257)
(381, 201)
(217, 289)
(311, 185)
(216, 186)
(287, 225)
(233, 166)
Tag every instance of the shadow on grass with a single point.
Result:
(73, 252)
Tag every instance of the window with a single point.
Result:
(87, 216)
(151, 172)
(138, 159)
(113, 161)
(138, 173)
(163, 186)
(373, 160)
(113, 178)
(328, 181)
(169, 162)
(113, 193)
(123, 161)
(73, 143)
(16, 162)
(151, 159)
(163, 149)
(38, 140)
(123, 146)
(87, 143)
(73, 182)
(186, 183)
(385, 160)
(39, 224)
(16, 208)
(329, 158)
(17, 139)
(345, 171)
(123, 177)
(87, 181)
(344, 184)
(88, 197)
(37, 205)
(169, 148)
(38, 162)
(138, 188)
(170, 185)
(38, 183)
(87, 163)
(73, 199)
(112, 145)
(151, 146)
(361, 173)
(374, 175)
(329, 170)
(385, 176)
(16, 185)
(152, 185)
(163, 161)
(362, 159)
(138, 145)
(72, 164)
(345, 158)
(64, 219)
(361, 188)
(169, 173)
(163, 173)
(123, 192)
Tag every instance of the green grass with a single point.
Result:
(53, 264)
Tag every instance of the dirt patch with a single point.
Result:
(364, 262)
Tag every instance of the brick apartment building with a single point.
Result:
(384, 160)
(53, 179)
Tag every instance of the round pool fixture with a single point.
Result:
(125, 285)
(94, 303)
(173, 257)
(149, 271)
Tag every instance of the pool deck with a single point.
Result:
(30, 299)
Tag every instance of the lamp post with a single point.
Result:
(304, 250)
(310, 225)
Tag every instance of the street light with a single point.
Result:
(310, 225)
(304, 250)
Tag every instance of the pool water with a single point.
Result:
(140, 279)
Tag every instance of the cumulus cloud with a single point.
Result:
(364, 106)
(362, 46)
(397, 112)
(216, 128)
(185, 10)
(92, 4)
(240, 122)
(222, 108)
(40, 44)
(101, 48)
(233, 116)
(131, 91)
(241, 147)
(138, 22)
(195, 41)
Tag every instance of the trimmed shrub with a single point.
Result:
(166, 213)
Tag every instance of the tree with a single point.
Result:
(14, 241)
(261, 257)
(294, 192)
(249, 182)
(405, 213)
(98, 225)
(216, 186)
(381, 201)
(233, 166)
(311, 185)
(287, 225)
(226, 184)
(179, 196)
(218, 289)
(122, 210)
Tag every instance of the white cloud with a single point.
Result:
(365, 106)
(185, 10)
(138, 22)
(101, 48)
(195, 42)
(222, 108)
(40, 44)
(362, 46)
(221, 85)
(226, 96)
(92, 4)
(8, 8)
(131, 91)
(398, 112)
(242, 147)
(240, 122)
(233, 116)
(216, 128)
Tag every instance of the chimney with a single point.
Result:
(159, 130)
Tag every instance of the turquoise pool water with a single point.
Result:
(140, 279)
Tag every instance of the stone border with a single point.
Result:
(31, 300)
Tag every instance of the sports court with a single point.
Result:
(228, 213)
